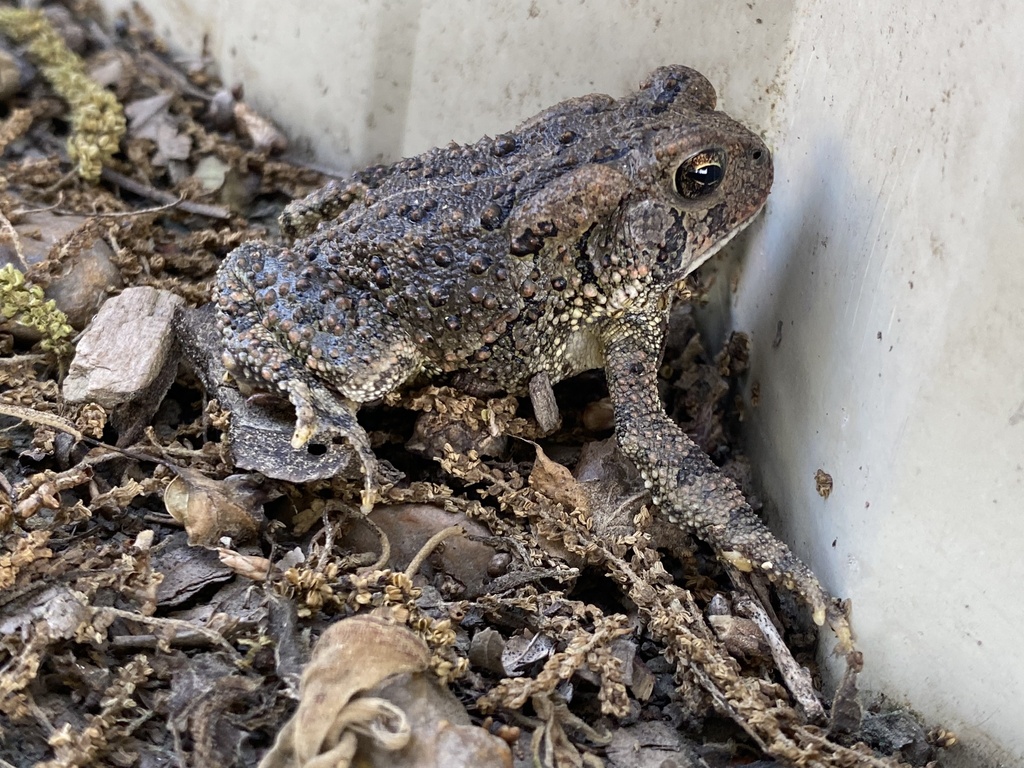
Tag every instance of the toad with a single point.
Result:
(509, 265)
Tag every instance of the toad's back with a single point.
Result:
(485, 259)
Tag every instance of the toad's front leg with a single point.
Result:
(683, 480)
(284, 332)
(321, 415)
(257, 361)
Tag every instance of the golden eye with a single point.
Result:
(699, 175)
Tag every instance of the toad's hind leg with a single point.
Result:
(328, 353)
(685, 483)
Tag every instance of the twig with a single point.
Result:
(30, 358)
(42, 490)
(137, 455)
(385, 546)
(329, 534)
(179, 79)
(516, 579)
(152, 193)
(6, 487)
(44, 209)
(184, 639)
(33, 416)
(64, 180)
(181, 628)
(796, 678)
(725, 706)
(427, 549)
(8, 229)
(119, 214)
(307, 165)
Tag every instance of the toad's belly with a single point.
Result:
(510, 370)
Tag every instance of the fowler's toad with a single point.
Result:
(511, 264)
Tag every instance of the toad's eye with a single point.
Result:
(699, 175)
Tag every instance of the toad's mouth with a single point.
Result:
(722, 242)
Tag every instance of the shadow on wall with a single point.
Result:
(394, 56)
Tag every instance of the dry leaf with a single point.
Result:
(409, 526)
(556, 482)
(263, 133)
(521, 653)
(651, 745)
(441, 734)
(249, 566)
(211, 172)
(551, 746)
(366, 697)
(352, 656)
(149, 118)
(213, 509)
(486, 649)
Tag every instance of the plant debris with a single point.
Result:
(823, 483)
(96, 117)
(511, 599)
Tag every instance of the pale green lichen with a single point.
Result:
(97, 119)
(26, 303)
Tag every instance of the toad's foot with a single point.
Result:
(323, 417)
(694, 495)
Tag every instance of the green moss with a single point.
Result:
(28, 304)
(97, 120)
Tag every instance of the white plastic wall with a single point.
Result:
(884, 288)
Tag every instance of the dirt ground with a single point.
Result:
(512, 598)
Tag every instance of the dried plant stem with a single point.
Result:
(427, 549)
(179, 627)
(40, 418)
(796, 678)
(152, 193)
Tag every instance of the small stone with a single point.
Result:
(221, 111)
(15, 73)
(87, 277)
(599, 416)
(123, 360)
